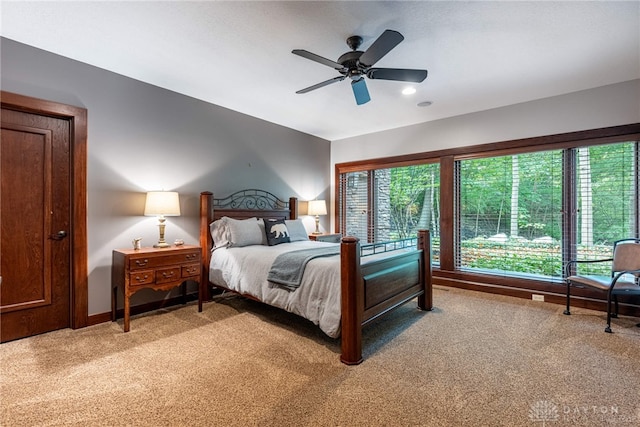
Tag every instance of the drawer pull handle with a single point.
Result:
(142, 262)
(142, 279)
(191, 256)
(165, 275)
(191, 270)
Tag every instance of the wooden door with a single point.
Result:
(35, 224)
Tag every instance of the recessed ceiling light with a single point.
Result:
(408, 90)
(424, 103)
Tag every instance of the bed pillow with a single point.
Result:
(263, 233)
(243, 232)
(297, 232)
(219, 233)
(276, 231)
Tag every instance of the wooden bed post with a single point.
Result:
(425, 301)
(293, 207)
(206, 242)
(352, 301)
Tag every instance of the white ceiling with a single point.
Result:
(480, 55)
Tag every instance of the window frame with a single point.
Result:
(447, 273)
(341, 199)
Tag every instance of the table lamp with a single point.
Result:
(161, 204)
(317, 208)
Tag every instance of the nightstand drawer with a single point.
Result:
(142, 277)
(190, 270)
(164, 275)
(159, 261)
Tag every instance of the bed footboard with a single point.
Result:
(378, 287)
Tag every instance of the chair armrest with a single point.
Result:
(619, 274)
(633, 272)
(567, 267)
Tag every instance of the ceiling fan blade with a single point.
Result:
(322, 84)
(400, 74)
(383, 45)
(317, 58)
(360, 91)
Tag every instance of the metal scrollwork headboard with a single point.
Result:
(251, 199)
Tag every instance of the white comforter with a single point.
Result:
(245, 270)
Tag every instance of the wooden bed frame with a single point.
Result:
(368, 291)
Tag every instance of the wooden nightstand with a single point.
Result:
(331, 238)
(160, 269)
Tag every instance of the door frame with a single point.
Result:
(77, 117)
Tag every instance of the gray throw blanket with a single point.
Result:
(287, 269)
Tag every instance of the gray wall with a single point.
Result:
(143, 138)
(611, 105)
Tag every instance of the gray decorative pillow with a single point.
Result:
(297, 232)
(276, 231)
(243, 232)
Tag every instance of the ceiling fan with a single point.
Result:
(357, 64)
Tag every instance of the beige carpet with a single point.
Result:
(477, 360)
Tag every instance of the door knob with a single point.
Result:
(59, 235)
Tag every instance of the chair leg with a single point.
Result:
(608, 328)
(615, 313)
(566, 311)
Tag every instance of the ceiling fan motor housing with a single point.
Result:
(352, 66)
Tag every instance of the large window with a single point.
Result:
(516, 211)
(390, 204)
(607, 206)
(509, 213)
(511, 208)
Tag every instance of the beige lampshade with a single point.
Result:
(165, 203)
(317, 207)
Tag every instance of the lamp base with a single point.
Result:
(161, 242)
(317, 225)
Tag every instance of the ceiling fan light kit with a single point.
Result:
(360, 91)
(358, 64)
